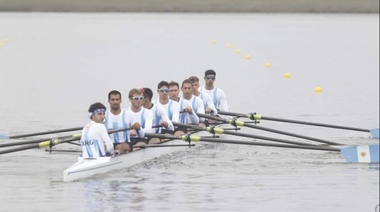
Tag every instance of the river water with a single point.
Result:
(53, 66)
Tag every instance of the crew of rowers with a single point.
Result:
(150, 116)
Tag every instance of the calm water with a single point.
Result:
(53, 66)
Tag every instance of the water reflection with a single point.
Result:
(114, 194)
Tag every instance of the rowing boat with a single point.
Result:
(89, 167)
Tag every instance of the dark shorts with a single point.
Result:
(135, 140)
(165, 131)
(205, 122)
(130, 145)
(183, 129)
(115, 144)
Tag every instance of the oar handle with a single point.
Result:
(119, 130)
(164, 145)
(61, 150)
(232, 114)
(196, 127)
(212, 117)
(164, 136)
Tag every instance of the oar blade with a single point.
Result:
(374, 133)
(361, 154)
(2, 137)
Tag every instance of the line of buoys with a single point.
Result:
(287, 75)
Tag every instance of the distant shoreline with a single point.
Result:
(193, 6)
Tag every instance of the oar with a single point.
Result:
(53, 141)
(362, 153)
(354, 154)
(44, 144)
(253, 116)
(141, 147)
(61, 150)
(36, 141)
(241, 123)
(39, 133)
(48, 139)
(163, 145)
(215, 130)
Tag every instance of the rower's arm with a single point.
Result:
(106, 138)
(148, 121)
(223, 105)
(210, 104)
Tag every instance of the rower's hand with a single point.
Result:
(188, 109)
(208, 110)
(112, 153)
(165, 124)
(136, 126)
(133, 133)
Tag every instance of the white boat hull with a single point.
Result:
(88, 167)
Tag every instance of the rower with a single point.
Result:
(117, 118)
(174, 91)
(160, 121)
(217, 95)
(187, 115)
(171, 107)
(142, 115)
(195, 105)
(95, 140)
(209, 106)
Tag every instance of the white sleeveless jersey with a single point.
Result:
(171, 108)
(218, 98)
(159, 116)
(197, 105)
(191, 117)
(145, 118)
(207, 102)
(123, 120)
(95, 140)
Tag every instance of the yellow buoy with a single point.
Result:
(213, 41)
(318, 89)
(238, 51)
(287, 75)
(268, 65)
(248, 57)
(1, 44)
